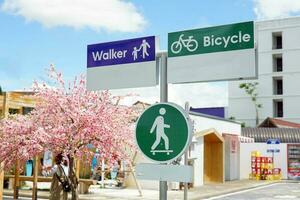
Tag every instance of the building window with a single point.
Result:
(277, 40)
(277, 86)
(277, 63)
(278, 108)
(27, 110)
(13, 111)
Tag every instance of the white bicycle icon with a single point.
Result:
(190, 44)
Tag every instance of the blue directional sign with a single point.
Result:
(273, 150)
(273, 141)
(121, 52)
(122, 64)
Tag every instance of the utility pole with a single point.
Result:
(163, 187)
(186, 154)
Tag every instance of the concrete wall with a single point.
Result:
(240, 105)
(232, 149)
(221, 126)
(280, 159)
(202, 123)
(198, 154)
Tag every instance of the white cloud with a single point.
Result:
(197, 94)
(148, 95)
(110, 15)
(270, 9)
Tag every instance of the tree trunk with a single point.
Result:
(35, 178)
(256, 118)
(1, 179)
(73, 178)
(17, 180)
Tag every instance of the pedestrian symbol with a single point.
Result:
(143, 47)
(163, 132)
(160, 126)
(135, 53)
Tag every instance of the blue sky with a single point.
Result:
(31, 40)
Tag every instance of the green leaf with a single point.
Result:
(243, 125)
(242, 85)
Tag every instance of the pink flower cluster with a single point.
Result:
(69, 120)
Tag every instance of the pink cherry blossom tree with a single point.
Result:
(20, 140)
(67, 119)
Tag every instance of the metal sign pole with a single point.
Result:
(163, 187)
(163, 78)
(185, 194)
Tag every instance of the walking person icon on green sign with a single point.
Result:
(159, 125)
(163, 132)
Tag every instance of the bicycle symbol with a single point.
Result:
(190, 44)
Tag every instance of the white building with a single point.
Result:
(214, 160)
(278, 45)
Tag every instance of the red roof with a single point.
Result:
(279, 123)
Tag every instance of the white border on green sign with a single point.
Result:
(189, 127)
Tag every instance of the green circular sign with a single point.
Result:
(163, 132)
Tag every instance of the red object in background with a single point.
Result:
(263, 166)
(276, 171)
(258, 170)
(269, 160)
(293, 159)
(234, 142)
(265, 172)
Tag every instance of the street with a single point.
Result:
(270, 192)
(282, 190)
